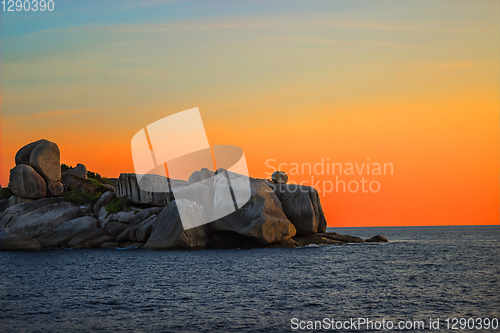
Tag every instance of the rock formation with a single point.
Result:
(128, 186)
(38, 217)
(60, 236)
(37, 172)
(273, 214)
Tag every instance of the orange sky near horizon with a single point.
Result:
(343, 86)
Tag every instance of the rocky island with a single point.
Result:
(49, 205)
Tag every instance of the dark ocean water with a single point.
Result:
(424, 272)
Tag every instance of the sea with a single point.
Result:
(445, 278)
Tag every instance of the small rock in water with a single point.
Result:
(378, 238)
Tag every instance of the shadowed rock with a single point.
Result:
(168, 232)
(231, 240)
(38, 217)
(138, 222)
(25, 182)
(316, 239)
(96, 243)
(15, 200)
(4, 204)
(131, 245)
(17, 241)
(60, 236)
(261, 217)
(114, 228)
(377, 239)
(88, 235)
(302, 206)
(342, 238)
(55, 188)
(143, 230)
(123, 217)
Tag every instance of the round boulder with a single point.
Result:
(26, 183)
(23, 154)
(279, 177)
(45, 159)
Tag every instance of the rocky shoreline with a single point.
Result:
(52, 206)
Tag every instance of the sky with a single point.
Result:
(299, 86)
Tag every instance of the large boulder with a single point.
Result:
(17, 241)
(139, 232)
(60, 236)
(202, 192)
(168, 232)
(137, 223)
(23, 154)
(143, 231)
(114, 228)
(41, 216)
(109, 245)
(45, 159)
(103, 200)
(302, 206)
(377, 239)
(25, 182)
(154, 195)
(262, 217)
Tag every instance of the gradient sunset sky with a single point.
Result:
(412, 83)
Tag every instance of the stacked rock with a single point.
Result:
(37, 172)
(74, 176)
